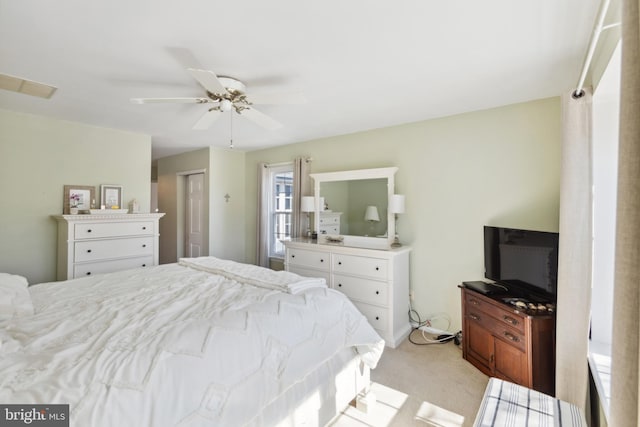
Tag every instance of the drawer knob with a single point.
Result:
(510, 319)
(377, 318)
(144, 245)
(339, 285)
(377, 268)
(474, 317)
(474, 302)
(88, 251)
(88, 273)
(321, 260)
(144, 265)
(339, 262)
(293, 256)
(144, 228)
(377, 292)
(89, 231)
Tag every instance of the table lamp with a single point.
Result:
(396, 206)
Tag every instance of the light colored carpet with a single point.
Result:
(419, 386)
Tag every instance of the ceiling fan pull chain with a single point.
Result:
(231, 130)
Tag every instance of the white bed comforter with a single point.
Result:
(175, 344)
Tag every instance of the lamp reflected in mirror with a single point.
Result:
(396, 206)
(371, 216)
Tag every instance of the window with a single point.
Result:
(280, 208)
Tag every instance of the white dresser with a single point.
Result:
(92, 244)
(376, 281)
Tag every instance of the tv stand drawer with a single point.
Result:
(506, 317)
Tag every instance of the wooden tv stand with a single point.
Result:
(508, 342)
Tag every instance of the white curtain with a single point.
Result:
(300, 189)
(262, 226)
(574, 260)
(625, 358)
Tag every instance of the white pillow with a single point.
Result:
(15, 299)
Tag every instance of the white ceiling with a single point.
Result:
(361, 64)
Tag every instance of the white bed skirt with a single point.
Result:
(318, 401)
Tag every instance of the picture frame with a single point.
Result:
(77, 197)
(111, 196)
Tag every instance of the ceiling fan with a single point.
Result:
(227, 94)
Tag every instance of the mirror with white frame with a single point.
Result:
(360, 199)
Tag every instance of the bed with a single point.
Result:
(202, 342)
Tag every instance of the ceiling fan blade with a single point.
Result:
(260, 119)
(208, 80)
(277, 98)
(207, 119)
(169, 100)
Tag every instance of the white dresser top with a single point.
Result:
(351, 245)
(101, 217)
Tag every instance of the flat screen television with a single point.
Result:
(524, 261)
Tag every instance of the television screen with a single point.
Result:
(522, 260)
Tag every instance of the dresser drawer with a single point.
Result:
(113, 229)
(497, 328)
(359, 289)
(309, 272)
(506, 317)
(376, 316)
(301, 257)
(91, 268)
(329, 219)
(361, 266)
(117, 248)
(330, 229)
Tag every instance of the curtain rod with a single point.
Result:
(271, 165)
(595, 36)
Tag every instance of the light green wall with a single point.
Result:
(492, 167)
(228, 218)
(38, 156)
(224, 174)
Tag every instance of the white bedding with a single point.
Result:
(176, 344)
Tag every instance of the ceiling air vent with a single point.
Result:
(28, 87)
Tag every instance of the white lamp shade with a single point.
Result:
(397, 204)
(308, 204)
(371, 214)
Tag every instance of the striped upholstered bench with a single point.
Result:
(509, 405)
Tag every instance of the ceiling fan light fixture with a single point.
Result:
(226, 94)
(225, 105)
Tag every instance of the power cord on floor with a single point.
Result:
(415, 318)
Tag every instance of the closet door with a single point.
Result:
(194, 215)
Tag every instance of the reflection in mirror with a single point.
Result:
(351, 198)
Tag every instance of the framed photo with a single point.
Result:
(111, 196)
(78, 197)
